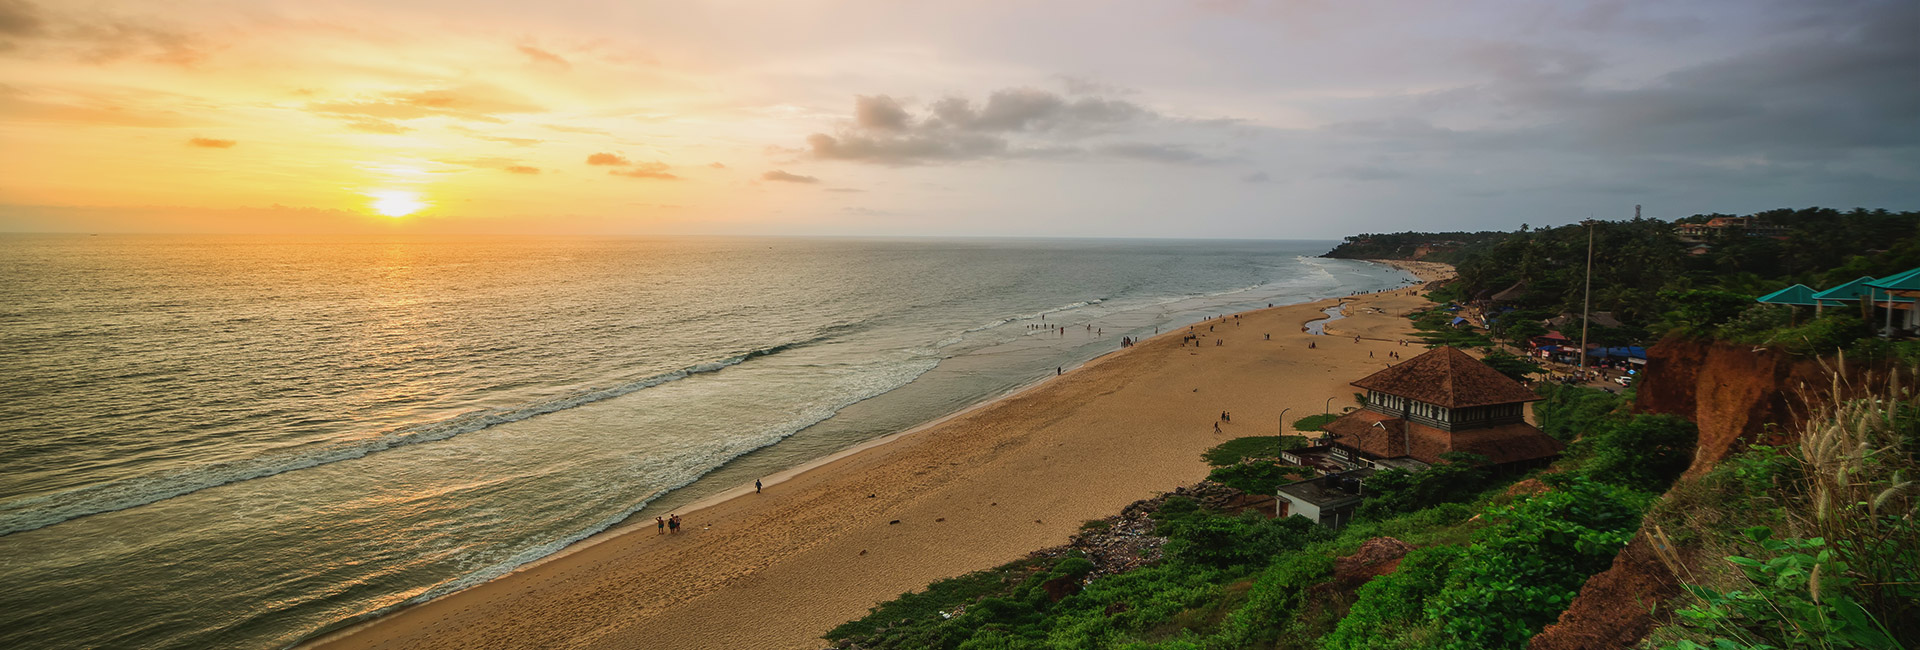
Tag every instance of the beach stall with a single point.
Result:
(1793, 297)
(1872, 300)
(1896, 301)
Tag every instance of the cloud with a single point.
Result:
(20, 19)
(1365, 173)
(521, 169)
(879, 113)
(543, 57)
(782, 176)
(905, 150)
(716, 165)
(1161, 153)
(95, 37)
(576, 129)
(1256, 177)
(654, 170)
(518, 142)
(121, 108)
(1013, 122)
(481, 135)
(370, 125)
(608, 159)
(211, 143)
(477, 103)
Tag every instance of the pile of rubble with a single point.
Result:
(1123, 542)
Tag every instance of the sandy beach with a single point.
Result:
(824, 543)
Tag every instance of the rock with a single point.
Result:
(1060, 587)
(1376, 557)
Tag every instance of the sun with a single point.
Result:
(396, 204)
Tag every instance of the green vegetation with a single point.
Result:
(1820, 543)
(1440, 246)
(1514, 367)
(1523, 571)
(1239, 449)
(1491, 568)
(1645, 452)
(1783, 605)
(1259, 477)
(1247, 464)
(1569, 411)
(1435, 328)
(1462, 478)
(1314, 422)
(1646, 276)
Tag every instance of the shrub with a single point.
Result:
(1795, 598)
(1757, 319)
(1398, 491)
(1259, 477)
(1250, 539)
(1570, 411)
(1515, 368)
(1274, 601)
(1698, 312)
(1645, 452)
(1238, 449)
(1390, 612)
(1524, 571)
(1314, 422)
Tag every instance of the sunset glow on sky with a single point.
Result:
(1210, 118)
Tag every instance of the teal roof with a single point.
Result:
(1908, 280)
(1854, 290)
(1798, 295)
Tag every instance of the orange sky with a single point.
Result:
(1203, 118)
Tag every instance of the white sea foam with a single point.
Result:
(40, 511)
(676, 473)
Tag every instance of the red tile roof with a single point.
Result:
(1448, 377)
(1507, 443)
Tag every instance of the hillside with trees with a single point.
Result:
(1653, 280)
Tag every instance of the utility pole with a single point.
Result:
(1586, 300)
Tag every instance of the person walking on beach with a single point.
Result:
(1058, 369)
(756, 486)
(661, 523)
(1216, 427)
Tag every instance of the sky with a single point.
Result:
(1204, 118)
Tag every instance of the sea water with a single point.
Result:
(242, 442)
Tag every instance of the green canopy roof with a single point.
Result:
(1904, 281)
(1854, 290)
(1798, 295)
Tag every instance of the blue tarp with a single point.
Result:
(1631, 352)
(1458, 320)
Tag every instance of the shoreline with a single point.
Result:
(492, 613)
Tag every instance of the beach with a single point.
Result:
(823, 543)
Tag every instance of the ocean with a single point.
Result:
(242, 442)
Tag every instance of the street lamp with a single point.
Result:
(1325, 408)
(1283, 420)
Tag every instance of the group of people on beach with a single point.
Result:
(669, 524)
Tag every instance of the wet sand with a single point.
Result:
(977, 489)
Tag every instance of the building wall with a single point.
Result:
(1301, 508)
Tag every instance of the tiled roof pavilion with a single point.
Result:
(1448, 377)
